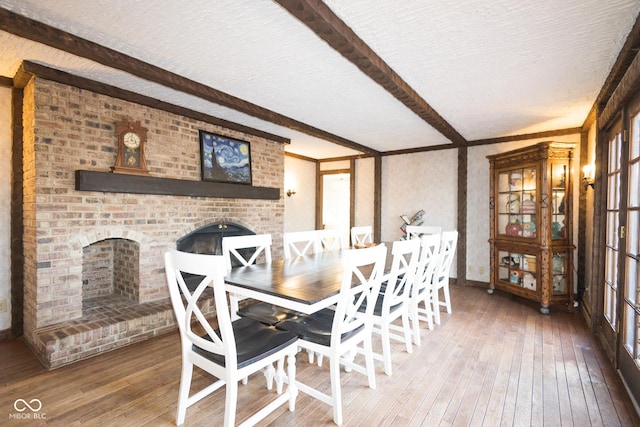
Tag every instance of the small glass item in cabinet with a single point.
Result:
(516, 202)
(518, 269)
(558, 198)
(559, 273)
(530, 229)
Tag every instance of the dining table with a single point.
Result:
(305, 283)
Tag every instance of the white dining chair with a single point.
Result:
(361, 235)
(244, 251)
(299, 243)
(394, 300)
(331, 239)
(340, 333)
(442, 273)
(422, 304)
(417, 231)
(233, 351)
(256, 244)
(232, 246)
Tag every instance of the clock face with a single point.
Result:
(131, 140)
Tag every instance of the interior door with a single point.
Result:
(629, 292)
(336, 202)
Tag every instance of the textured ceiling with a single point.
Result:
(490, 68)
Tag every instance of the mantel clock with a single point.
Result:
(131, 139)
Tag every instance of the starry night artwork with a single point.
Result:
(225, 159)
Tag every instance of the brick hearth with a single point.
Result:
(107, 323)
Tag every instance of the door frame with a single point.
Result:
(320, 195)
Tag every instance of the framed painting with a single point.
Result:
(224, 159)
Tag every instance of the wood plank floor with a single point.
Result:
(494, 362)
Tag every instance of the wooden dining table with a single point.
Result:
(306, 283)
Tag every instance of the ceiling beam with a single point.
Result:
(67, 42)
(329, 27)
(477, 142)
(536, 135)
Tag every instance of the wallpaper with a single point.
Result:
(419, 181)
(300, 208)
(364, 202)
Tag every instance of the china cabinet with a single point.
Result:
(531, 223)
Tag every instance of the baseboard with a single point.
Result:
(5, 334)
(631, 397)
(478, 284)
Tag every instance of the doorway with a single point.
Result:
(335, 207)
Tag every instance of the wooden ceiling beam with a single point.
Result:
(320, 19)
(67, 42)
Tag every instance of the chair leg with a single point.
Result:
(447, 298)
(292, 388)
(269, 373)
(415, 321)
(406, 326)
(435, 305)
(368, 357)
(183, 393)
(428, 307)
(336, 392)
(230, 403)
(386, 348)
(280, 376)
(350, 357)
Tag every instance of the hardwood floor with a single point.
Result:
(494, 362)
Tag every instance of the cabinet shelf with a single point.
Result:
(531, 246)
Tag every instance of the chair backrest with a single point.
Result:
(361, 235)
(231, 244)
(417, 231)
(330, 239)
(428, 261)
(362, 268)
(212, 269)
(402, 275)
(299, 243)
(448, 245)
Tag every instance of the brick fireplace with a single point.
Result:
(93, 260)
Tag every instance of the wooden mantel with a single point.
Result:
(122, 183)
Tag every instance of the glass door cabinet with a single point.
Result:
(531, 225)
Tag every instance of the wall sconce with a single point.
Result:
(588, 176)
(290, 183)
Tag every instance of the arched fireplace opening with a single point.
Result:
(110, 268)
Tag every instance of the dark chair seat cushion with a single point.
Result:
(254, 341)
(266, 313)
(314, 327)
(377, 311)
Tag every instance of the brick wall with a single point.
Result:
(65, 129)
